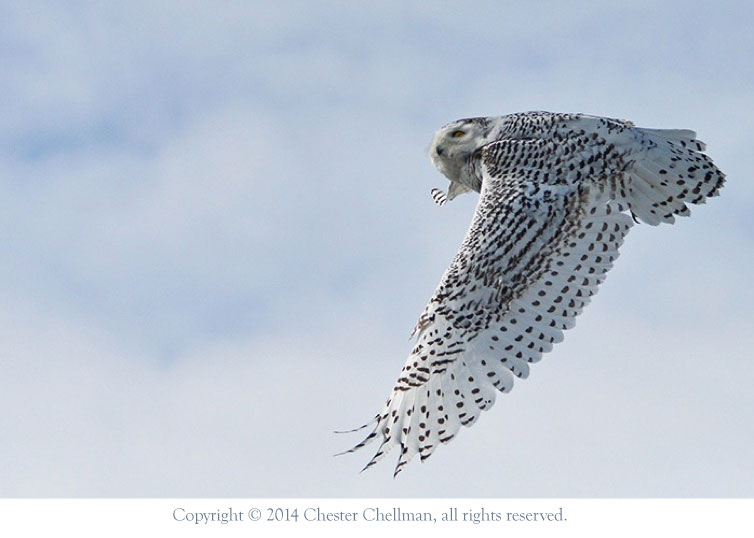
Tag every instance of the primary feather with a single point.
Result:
(555, 193)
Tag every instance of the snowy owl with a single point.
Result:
(555, 195)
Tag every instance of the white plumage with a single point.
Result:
(556, 191)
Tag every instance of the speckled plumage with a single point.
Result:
(556, 191)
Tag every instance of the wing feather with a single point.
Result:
(533, 257)
(551, 216)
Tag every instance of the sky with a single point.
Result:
(216, 235)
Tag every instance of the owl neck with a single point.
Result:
(470, 175)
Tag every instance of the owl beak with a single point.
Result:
(439, 150)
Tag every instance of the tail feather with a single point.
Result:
(677, 135)
(670, 173)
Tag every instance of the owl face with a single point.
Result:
(454, 144)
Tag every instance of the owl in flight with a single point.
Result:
(557, 195)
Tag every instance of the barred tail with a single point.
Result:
(671, 173)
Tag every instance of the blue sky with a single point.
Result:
(217, 235)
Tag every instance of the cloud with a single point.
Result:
(218, 234)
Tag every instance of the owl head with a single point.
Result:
(452, 149)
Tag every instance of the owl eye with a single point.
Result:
(457, 133)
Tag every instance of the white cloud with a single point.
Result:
(218, 234)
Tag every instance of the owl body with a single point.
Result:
(558, 194)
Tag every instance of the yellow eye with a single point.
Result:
(457, 133)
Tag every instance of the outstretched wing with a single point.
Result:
(533, 256)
